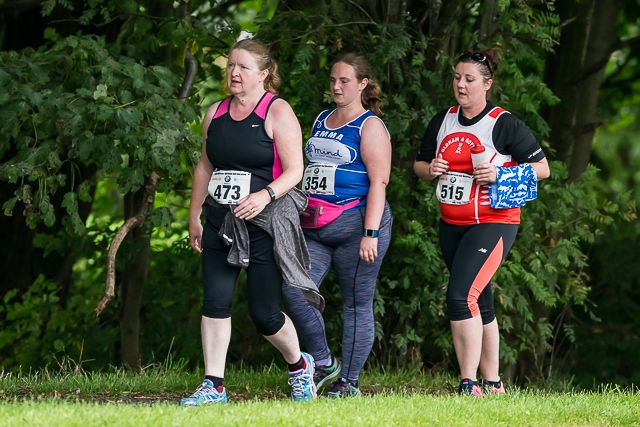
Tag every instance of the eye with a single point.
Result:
(244, 67)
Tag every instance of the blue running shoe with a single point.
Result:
(302, 386)
(205, 394)
(469, 387)
(325, 374)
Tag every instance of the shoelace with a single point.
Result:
(298, 383)
(201, 390)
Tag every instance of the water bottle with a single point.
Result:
(478, 155)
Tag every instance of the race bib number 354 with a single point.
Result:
(454, 188)
(319, 179)
(227, 187)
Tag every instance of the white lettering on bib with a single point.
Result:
(227, 187)
(319, 179)
(454, 188)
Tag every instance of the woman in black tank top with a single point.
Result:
(252, 141)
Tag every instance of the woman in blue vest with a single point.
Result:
(348, 223)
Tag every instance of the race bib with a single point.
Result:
(319, 179)
(454, 188)
(227, 187)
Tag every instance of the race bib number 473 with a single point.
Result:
(454, 188)
(227, 187)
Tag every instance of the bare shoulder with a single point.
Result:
(374, 125)
(280, 108)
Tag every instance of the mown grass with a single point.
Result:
(259, 397)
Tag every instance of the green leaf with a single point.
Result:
(162, 217)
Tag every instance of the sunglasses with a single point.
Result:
(478, 57)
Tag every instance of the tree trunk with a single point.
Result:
(134, 278)
(487, 19)
(575, 72)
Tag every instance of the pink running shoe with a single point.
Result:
(489, 387)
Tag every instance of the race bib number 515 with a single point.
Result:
(227, 187)
(454, 188)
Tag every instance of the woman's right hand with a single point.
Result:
(195, 235)
(438, 166)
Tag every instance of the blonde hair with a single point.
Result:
(370, 96)
(263, 57)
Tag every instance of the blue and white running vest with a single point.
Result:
(340, 147)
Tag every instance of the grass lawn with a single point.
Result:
(260, 398)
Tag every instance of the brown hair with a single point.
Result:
(487, 67)
(264, 60)
(370, 97)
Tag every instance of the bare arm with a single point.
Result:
(375, 148)
(201, 177)
(541, 168)
(283, 126)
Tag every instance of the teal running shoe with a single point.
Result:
(326, 373)
(302, 386)
(342, 388)
(205, 394)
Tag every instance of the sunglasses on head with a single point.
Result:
(478, 57)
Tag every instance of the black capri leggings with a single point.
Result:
(264, 279)
(473, 254)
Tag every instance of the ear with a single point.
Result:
(487, 84)
(263, 74)
(364, 83)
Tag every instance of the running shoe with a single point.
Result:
(342, 388)
(302, 386)
(489, 387)
(205, 394)
(325, 373)
(469, 386)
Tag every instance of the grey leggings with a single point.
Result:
(337, 246)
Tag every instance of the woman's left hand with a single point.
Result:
(369, 249)
(251, 205)
(485, 173)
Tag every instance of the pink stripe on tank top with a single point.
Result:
(261, 111)
(277, 165)
(263, 105)
(222, 108)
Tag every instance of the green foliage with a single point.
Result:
(36, 330)
(76, 106)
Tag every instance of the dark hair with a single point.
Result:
(370, 97)
(486, 60)
(264, 60)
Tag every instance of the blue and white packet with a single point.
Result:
(514, 186)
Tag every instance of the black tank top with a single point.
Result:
(243, 145)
